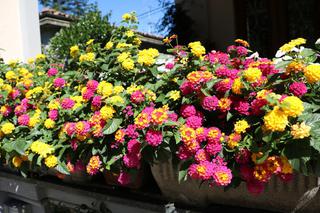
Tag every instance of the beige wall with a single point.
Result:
(19, 29)
(214, 20)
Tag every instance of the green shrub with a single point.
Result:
(92, 25)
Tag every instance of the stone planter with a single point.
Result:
(77, 177)
(300, 194)
(112, 179)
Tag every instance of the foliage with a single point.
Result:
(92, 25)
(226, 118)
(73, 7)
(176, 20)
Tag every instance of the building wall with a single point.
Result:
(47, 33)
(214, 20)
(19, 29)
(197, 11)
(221, 23)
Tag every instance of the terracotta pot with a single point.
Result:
(111, 178)
(300, 193)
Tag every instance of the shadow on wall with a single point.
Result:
(176, 20)
(266, 24)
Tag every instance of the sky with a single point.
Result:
(149, 12)
(147, 19)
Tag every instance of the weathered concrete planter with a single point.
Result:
(278, 196)
(112, 179)
(80, 177)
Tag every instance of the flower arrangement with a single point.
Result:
(245, 117)
(226, 117)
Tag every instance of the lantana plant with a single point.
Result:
(224, 117)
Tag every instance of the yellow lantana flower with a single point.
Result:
(174, 95)
(312, 73)
(51, 161)
(128, 64)
(123, 56)
(241, 126)
(275, 120)
(292, 106)
(299, 131)
(109, 45)
(197, 49)
(107, 112)
(87, 57)
(11, 75)
(40, 57)
(74, 51)
(252, 74)
(90, 42)
(7, 128)
(49, 123)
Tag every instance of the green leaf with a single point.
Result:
(183, 171)
(309, 108)
(69, 74)
(62, 168)
(315, 143)
(90, 74)
(94, 151)
(229, 116)
(267, 138)
(154, 71)
(61, 152)
(263, 158)
(205, 92)
(105, 67)
(112, 161)
(282, 64)
(311, 119)
(19, 145)
(177, 137)
(168, 134)
(315, 131)
(300, 165)
(183, 175)
(307, 52)
(295, 163)
(112, 126)
(170, 123)
(212, 82)
(21, 128)
(39, 160)
(30, 156)
(271, 100)
(161, 98)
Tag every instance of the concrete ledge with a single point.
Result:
(37, 192)
(278, 196)
(54, 22)
(15, 186)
